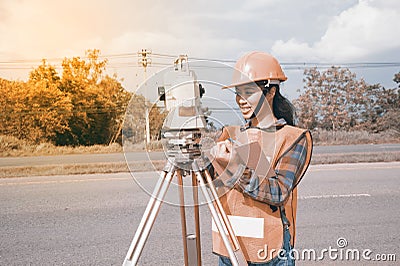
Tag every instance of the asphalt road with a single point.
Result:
(361, 148)
(91, 219)
(144, 156)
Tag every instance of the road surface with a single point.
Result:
(91, 219)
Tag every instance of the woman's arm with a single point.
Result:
(276, 186)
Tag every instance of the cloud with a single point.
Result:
(293, 50)
(168, 43)
(368, 28)
(47, 29)
(295, 30)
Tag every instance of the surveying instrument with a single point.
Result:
(182, 132)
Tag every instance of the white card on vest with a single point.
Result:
(245, 226)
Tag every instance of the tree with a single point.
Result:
(388, 104)
(49, 108)
(83, 106)
(134, 129)
(397, 79)
(134, 123)
(156, 118)
(36, 110)
(99, 101)
(323, 103)
(335, 100)
(117, 99)
(13, 109)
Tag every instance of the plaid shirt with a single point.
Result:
(275, 189)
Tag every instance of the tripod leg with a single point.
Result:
(149, 216)
(196, 217)
(183, 216)
(235, 257)
(224, 217)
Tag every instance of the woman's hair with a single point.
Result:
(281, 106)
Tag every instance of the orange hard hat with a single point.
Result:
(257, 66)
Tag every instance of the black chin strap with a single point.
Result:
(259, 105)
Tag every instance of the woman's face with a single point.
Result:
(247, 98)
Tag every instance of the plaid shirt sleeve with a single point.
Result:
(275, 189)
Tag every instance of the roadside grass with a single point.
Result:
(324, 137)
(13, 147)
(78, 169)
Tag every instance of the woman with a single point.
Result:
(262, 204)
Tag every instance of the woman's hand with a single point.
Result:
(224, 153)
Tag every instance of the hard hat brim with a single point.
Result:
(276, 82)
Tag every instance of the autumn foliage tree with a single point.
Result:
(47, 107)
(98, 100)
(82, 106)
(13, 119)
(36, 110)
(336, 100)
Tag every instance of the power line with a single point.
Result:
(339, 63)
(352, 65)
(214, 60)
(164, 55)
(25, 64)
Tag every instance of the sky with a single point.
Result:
(294, 31)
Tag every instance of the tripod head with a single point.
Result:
(183, 145)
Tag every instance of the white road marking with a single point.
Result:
(335, 196)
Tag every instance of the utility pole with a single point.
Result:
(144, 61)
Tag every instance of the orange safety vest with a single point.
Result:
(254, 214)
